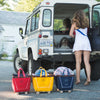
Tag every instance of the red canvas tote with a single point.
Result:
(21, 83)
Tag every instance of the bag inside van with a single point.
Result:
(62, 41)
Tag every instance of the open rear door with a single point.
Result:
(95, 36)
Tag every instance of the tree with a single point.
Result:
(27, 5)
(98, 0)
(3, 2)
(5, 5)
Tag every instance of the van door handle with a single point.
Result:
(45, 36)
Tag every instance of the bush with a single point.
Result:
(4, 55)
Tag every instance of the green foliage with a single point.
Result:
(2, 3)
(7, 9)
(98, 0)
(58, 23)
(4, 54)
(27, 5)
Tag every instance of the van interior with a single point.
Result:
(62, 41)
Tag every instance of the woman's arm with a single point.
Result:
(72, 30)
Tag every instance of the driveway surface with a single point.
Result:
(80, 92)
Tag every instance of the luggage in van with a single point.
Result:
(21, 82)
(43, 82)
(64, 79)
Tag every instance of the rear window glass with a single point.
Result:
(47, 18)
(96, 17)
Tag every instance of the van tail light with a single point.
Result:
(47, 3)
(40, 35)
(40, 51)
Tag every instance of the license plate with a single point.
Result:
(44, 43)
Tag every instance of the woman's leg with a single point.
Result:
(78, 57)
(87, 64)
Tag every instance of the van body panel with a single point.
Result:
(32, 42)
(22, 50)
(46, 42)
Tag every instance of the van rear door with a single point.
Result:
(95, 36)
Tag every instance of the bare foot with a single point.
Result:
(87, 83)
(77, 82)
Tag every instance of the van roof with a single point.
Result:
(53, 2)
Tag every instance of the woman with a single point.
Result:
(80, 24)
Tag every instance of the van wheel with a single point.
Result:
(95, 70)
(32, 65)
(19, 63)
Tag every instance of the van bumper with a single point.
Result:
(67, 57)
(58, 58)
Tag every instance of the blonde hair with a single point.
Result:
(80, 19)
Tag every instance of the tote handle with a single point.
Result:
(67, 72)
(20, 69)
(41, 67)
(42, 70)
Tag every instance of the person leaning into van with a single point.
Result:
(67, 24)
(80, 24)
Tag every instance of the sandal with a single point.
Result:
(87, 83)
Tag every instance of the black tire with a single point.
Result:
(95, 70)
(19, 63)
(32, 65)
(46, 64)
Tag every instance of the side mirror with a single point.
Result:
(21, 32)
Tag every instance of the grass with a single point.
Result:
(6, 60)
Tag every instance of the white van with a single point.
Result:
(41, 42)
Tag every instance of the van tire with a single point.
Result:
(95, 70)
(19, 63)
(32, 65)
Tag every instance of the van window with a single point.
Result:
(62, 11)
(47, 18)
(35, 22)
(86, 11)
(96, 10)
(95, 18)
(27, 26)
